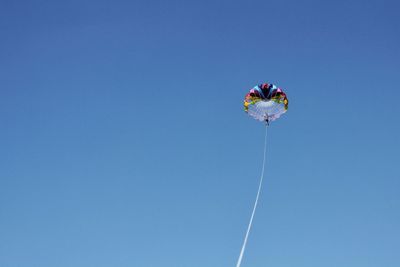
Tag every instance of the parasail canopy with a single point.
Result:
(266, 102)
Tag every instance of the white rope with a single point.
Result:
(255, 203)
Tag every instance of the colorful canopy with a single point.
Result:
(266, 102)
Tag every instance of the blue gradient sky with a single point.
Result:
(123, 141)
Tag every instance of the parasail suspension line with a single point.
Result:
(256, 201)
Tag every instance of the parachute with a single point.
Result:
(266, 102)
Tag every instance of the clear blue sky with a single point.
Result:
(123, 141)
